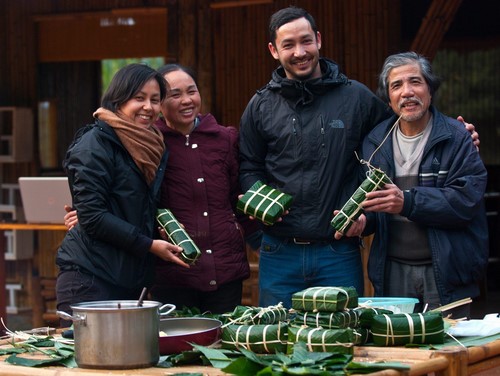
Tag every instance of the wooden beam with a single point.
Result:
(240, 3)
(434, 26)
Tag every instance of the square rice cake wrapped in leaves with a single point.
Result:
(261, 339)
(408, 328)
(325, 299)
(366, 315)
(248, 315)
(327, 320)
(178, 236)
(326, 340)
(351, 210)
(264, 203)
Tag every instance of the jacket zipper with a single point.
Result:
(322, 125)
(295, 141)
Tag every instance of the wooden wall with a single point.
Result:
(225, 41)
(226, 44)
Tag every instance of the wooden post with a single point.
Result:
(3, 293)
(457, 359)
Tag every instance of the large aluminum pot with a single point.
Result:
(117, 334)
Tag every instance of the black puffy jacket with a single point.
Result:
(300, 137)
(116, 209)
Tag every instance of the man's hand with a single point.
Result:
(356, 228)
(70, 218)
(470, 127)
(390, 199)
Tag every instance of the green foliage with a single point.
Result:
(57, 353)
(300, 362)
(111, 66)
(471, 87)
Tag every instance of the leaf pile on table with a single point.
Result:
(316, 337)
(55, 351)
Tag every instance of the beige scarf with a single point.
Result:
(145, 146)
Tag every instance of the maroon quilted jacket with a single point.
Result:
(201, 189)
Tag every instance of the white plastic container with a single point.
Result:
(396, 305)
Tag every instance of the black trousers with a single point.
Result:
(222, 300)
(76, 286)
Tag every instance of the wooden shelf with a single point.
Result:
(16, 134)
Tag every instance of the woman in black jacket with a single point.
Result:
(115, 168)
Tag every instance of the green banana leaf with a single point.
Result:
(260, 339)
(264, 203)
(351, 210)
(324, 298)
(327, 320)
(407, 328)
(247, 315)
(178, 236)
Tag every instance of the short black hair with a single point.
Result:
(286, 15)
(127, 82)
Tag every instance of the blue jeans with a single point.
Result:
(286, 268)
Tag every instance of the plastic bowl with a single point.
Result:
(396, 305)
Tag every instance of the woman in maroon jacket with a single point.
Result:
(201, 189)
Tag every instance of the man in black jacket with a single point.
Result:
(299, 134)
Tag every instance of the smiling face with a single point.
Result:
(145, 106)
(183, 102)
(410, 97)
(297, 49)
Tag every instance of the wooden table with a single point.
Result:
(450, 361)
(20, 227)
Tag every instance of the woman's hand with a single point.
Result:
(167, 251)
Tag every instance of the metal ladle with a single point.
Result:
(141, 298)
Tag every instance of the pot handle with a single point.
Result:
(170, 307)
(67, 316)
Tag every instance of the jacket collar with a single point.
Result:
(439, 132)
(207, 124)
(303, 92)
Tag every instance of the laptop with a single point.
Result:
(44, 198)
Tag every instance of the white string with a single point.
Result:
(385, 138)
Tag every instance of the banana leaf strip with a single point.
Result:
(326, 299)
(351, 210)
(261, 339)
(264, 203)
(248, 315)
(408, 328)
(327, 320)
(178, 236)
(324, 340)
